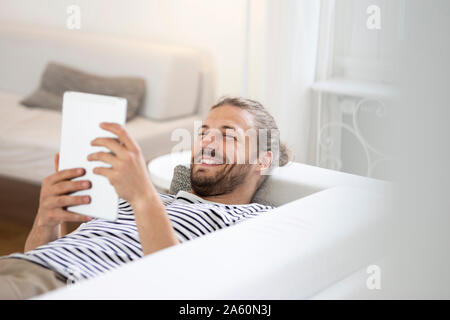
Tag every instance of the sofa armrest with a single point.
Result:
(291, 252)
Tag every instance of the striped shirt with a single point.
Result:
(99, 245)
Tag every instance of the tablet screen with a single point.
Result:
(82, 114)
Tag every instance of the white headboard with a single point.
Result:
(176, 83)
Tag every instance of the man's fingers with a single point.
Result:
(66, 174)
(68, 216)
(67, 201)
(105, 157)
(122, 134)
(110, 143)
(65, 187)
(103, 171)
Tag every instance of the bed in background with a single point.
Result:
(178, 91)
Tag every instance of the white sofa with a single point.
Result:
(178, 91)
(329, 227)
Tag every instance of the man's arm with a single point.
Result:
(39, 236)
(129, 176)
(154, 227)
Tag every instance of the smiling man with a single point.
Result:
(226, 163)
(226, 170)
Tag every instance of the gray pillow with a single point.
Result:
(58, 79)
(182, 181)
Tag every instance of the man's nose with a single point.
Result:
(209, 140)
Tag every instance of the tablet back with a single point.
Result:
(82, 114)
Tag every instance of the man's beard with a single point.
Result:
(225, 180)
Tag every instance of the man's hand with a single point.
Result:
(53, 201)
(54, 197)
(128, 173)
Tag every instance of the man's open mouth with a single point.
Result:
(209, 161)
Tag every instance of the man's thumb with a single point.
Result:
(56, 161)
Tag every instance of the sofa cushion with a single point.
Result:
(182, 181)
(58, 78)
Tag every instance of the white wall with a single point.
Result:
(215, 27)
(360, 53)
(279, 66)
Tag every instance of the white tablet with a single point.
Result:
(82, 114)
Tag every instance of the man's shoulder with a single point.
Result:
(261, 207)
(253, 207)
(166, 198)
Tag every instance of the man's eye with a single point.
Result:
(227, 136)
(202, 134)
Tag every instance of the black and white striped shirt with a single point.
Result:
(100, 245)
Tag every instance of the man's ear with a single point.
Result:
(264, 162)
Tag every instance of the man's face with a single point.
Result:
(220, 155)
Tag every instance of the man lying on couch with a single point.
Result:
(222, 189)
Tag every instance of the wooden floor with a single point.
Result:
(12, 236)
(19, 201)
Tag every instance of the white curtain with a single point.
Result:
(324, 67)
(288, 68)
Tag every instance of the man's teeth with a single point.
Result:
(209, 161)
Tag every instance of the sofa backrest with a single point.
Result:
(176, 84)
(285, 184)
(298, 180)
